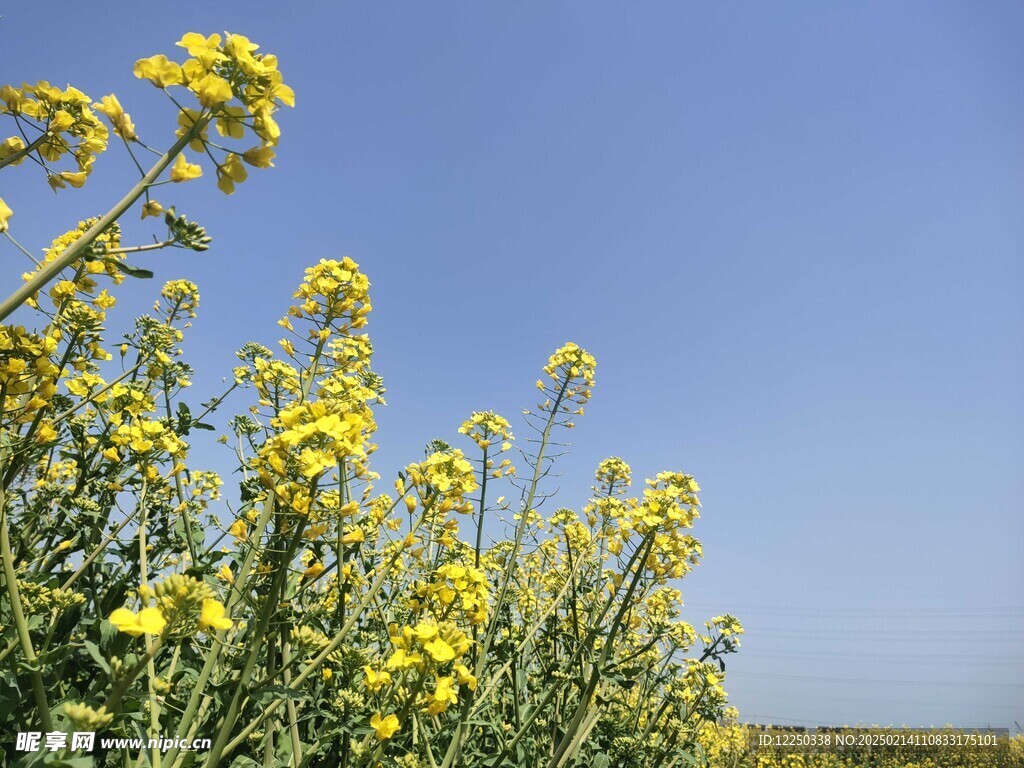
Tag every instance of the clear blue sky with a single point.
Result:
(791, 233)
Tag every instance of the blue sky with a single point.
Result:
(791, 234)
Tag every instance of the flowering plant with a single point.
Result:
(307, 618)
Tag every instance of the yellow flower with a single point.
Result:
(13, 145)
(439, 650)
(443, 695)
(374, 680)
(205, 49)
(230, 173)
(239, 530)
(148, 621)
(266, 127)
(314, 462)
(229, 122)
(355, 536)
(5, 215)
(186, 120)
(75, 179)
(401, 659)
(465, 677)
(385, 727)
(160, 71)
(213, 616)
(424, 631)
(61, 121)
(485, 427)
(259, 157)
(212, 90)
(313, 571)
(224, 572)
(448, 473)
(574, 366)
(183, 170)
(46, 433)
(121, 120)
(152, 208)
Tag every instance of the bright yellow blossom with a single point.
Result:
(213, 616)
(121, 120)
(239, 530)
(442, 695)
(159, 70)
(259, 157)
(212, 90)
(183, 170)
(375, 680)
(148, 621)
(384, 727)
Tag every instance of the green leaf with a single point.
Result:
(94, 651)
(131, 271)
(271, 692)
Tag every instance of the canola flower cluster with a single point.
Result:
(182, 604)
(237, 88)
(220, 70)
(64, 124)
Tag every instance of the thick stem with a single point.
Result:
(293, 718)
(154, 708)
(11, 582)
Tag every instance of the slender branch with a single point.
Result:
(11, 582)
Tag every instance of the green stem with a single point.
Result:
(480, 517)
(552, 690)
(293, 719)
(121, 688)
(336, 641)
(213, 655)
(154, 710)
(561, 751)
(227, 723)
(11, 581)
(538, 471)
(141, 248)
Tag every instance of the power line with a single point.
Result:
(995, 612)
(875, 681)
(912, 635)
(900, 657)
(833, 724)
